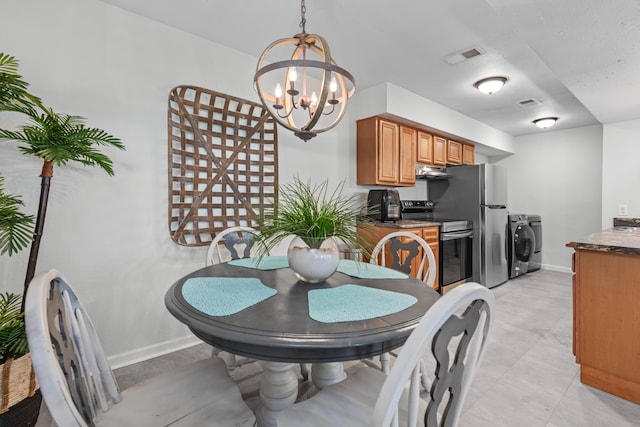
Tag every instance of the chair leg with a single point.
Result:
(385, 359)
(423, 376)
(231, 360)
(304, 371)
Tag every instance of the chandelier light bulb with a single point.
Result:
(333, 86)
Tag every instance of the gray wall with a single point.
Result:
(620, 171)
(558, 175)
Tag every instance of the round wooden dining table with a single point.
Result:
(281, 329)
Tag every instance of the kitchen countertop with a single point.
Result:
(624, 237)
(406, 223)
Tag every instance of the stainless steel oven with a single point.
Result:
(455, 250)
(456, 254)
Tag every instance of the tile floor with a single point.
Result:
(528, 377)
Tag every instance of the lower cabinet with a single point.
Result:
(606, 327)
(429, 234)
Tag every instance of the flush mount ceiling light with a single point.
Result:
(304, 90)
(490, 84)
(545, 122)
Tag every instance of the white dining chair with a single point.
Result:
(455, 328)
(80, 390)
(236, 243)
(229, 244)
(404, 248)
(232, 243)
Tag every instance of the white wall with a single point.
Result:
(621, 171)
(109, 235)
(558, 175)
(392, 99)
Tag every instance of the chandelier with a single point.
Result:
(304, 90)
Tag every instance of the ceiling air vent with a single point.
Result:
(468, 54)
(529, 102)
(463, 55)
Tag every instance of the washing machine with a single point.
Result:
(521, 244)
(535, 262)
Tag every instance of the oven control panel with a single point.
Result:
(417, 205)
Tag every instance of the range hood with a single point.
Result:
(430, 172)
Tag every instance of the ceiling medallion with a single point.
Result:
(306, 92)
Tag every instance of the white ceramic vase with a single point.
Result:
(313, 265)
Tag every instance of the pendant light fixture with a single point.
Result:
(490, 85)
(302, 88)
(545, 122)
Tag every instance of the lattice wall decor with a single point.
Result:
(223, 163)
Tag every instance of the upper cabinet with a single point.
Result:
(468, 154)
(454, 152)
(439, 151)
(408, 142)
(386, 153)
(425, 148)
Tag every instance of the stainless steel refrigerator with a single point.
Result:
(478, 193)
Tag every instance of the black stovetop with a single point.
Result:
(424, 210)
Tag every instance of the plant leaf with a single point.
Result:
(16, 228)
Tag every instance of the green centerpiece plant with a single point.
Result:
(320, 220)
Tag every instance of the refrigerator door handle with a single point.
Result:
(494, 206)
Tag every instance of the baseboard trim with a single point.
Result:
(556, 268)
(149, 352)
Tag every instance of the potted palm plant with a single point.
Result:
(319, 220)
(21, 398)
(56, 139)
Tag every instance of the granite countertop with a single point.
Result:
(624, 237)
(406, 223)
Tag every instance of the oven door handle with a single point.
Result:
(456, 235)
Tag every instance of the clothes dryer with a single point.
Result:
(521, 244)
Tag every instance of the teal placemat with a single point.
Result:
(364, 270)
(223, 296)
(266, 263)
(348, 303)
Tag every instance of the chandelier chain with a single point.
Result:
(303, 20)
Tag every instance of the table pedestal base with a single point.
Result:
(325, 374)
(278, 390)
(279, 386)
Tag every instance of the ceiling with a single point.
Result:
(580, 59)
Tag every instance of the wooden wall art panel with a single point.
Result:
(223, 163)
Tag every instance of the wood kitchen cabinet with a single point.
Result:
(439, 151)
(408, 141)
(454, 152)
(606, 327)
(386, 153)
(430, 234)
(425, 148)
(468, 154)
